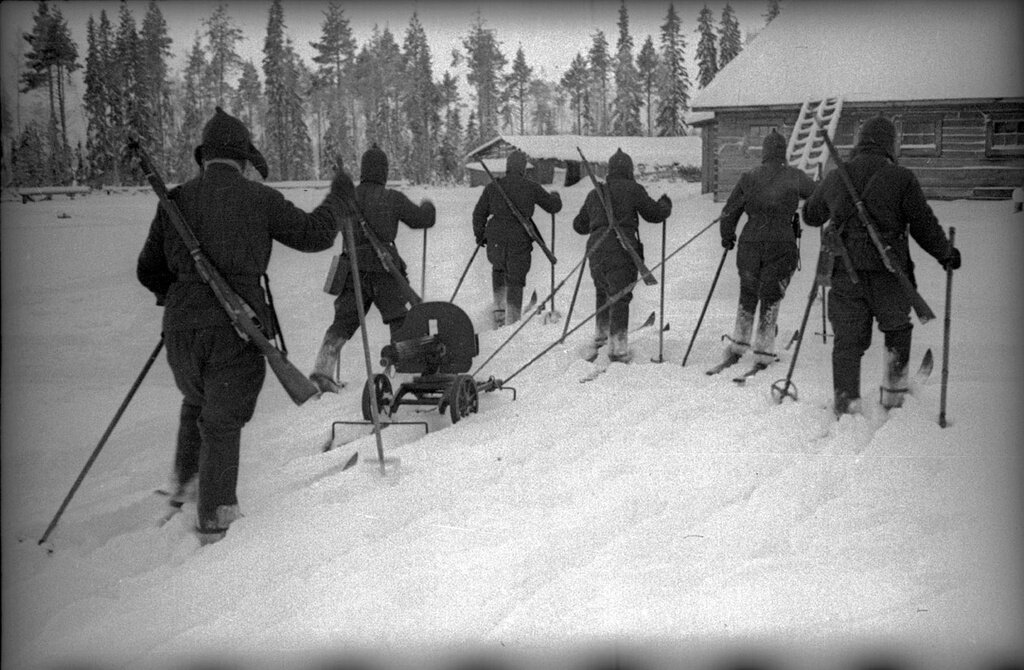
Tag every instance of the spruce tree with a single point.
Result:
(249, 98)
(544, 119)
(674, 89)
(599, 67)
(451, 142)
(276, 82)
(194, 112)
(379, 81)
(486, 64)
(707, 51)
(647, 68)
(96, 99)
(127, 110)
(626, 120)
(730, 40)
(154, 88)
(420, 104)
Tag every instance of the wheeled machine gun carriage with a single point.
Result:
(436, 343)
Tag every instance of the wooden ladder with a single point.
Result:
(806, 150)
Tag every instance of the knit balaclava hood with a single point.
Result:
(374, 166)
(877, 133)
(515, 164)
(773, 149)
(620, 165)
(224, 136)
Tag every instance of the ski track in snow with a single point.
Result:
(654, 503)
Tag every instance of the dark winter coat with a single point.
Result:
(236, 221)
(629, 201)
(894, 202)
(383, 209)
(769, 195)
(495, 224)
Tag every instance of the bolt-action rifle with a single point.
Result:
(382, 251)
(648, 278)
(242, 315)
(528, 224)
(921, 308)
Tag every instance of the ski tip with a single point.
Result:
(352, 460)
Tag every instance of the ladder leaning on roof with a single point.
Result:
(806, 150)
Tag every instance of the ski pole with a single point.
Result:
(350, 239)
(423, 268)
(572, 303)
(553, 315)
(608, 303)
(700, 319)
(661, 308)
(103, 440)
(945, 337)
(459, 285)
(781, 388)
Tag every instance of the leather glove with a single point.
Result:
(729, 242)
(665, 200)
(481, 241)
(952, 261)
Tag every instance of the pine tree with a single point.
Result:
(379, 82)
(647, 67)
(575, 81)
(249, 97)
(421, 102)
(518, 87)
(674, 89)
(544, 106)
(335, 56)
(599, 67)
(473, 136)
(194, 112)
(628, 98)
(707, 51)
(222, 36)
(773, 11)
(730, 40)
(486, 63)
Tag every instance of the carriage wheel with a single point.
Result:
(463, 399)
(380, 392)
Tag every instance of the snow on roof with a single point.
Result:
(643, 150)
(878, 51)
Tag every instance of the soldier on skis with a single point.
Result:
(219, 374)
(896, 204)
(509, 245)
(611, 266)
(768, 254)
(383, 209)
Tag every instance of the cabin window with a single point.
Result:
(1004, 137)
(920, 136)
(846, 132)
(757, 132)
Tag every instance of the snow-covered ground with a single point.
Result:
(655, 514)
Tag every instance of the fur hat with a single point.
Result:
(515, 164)
(374, 166)
(224, 136)
(773, 149)
(878, 132)
(620, 165)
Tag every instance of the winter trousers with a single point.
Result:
(509, 268)
(379, 289)
(610, 279)
(765, 270)
(852, 308)
(220, 377)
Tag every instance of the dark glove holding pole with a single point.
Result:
(427, 206)
(952, 261)
(797, 231)
(729, 242)
(665, 200)
(342, 184)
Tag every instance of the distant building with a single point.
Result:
(949, 74)
(555, 158)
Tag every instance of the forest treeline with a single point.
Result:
(306, 116)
